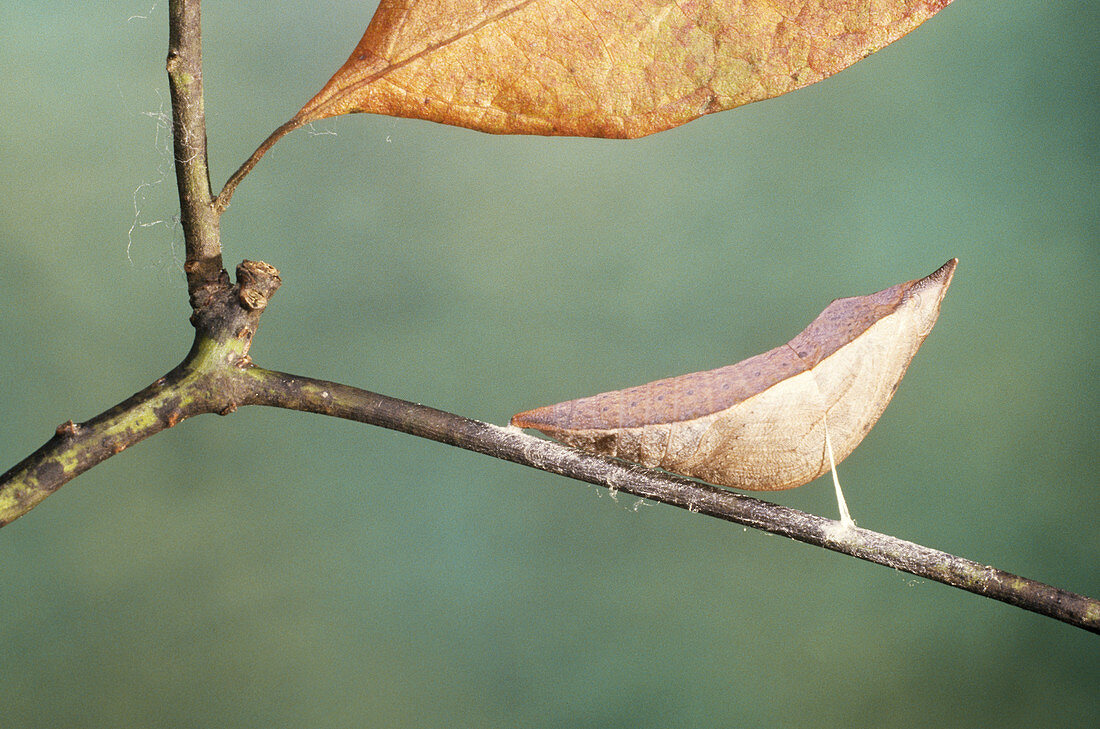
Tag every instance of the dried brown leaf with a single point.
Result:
(600, 68)
(593, 68)
(760, 424)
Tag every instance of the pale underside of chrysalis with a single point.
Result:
(760, 424)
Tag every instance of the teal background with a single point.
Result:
(278, 569)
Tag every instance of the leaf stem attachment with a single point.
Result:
(222, 201)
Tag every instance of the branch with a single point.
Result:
(225, 316)
(185, 391)
(218, 377)
(207, 381)
(282, 390)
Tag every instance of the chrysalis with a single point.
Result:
(760, 424)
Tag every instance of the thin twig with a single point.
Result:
(278, 389)
(216, 377)
(203, 264)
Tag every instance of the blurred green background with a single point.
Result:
(278, 569)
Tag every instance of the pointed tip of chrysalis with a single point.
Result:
(944, 273)
(927, 294)
(940, 279)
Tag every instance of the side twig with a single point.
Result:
(222, 201)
